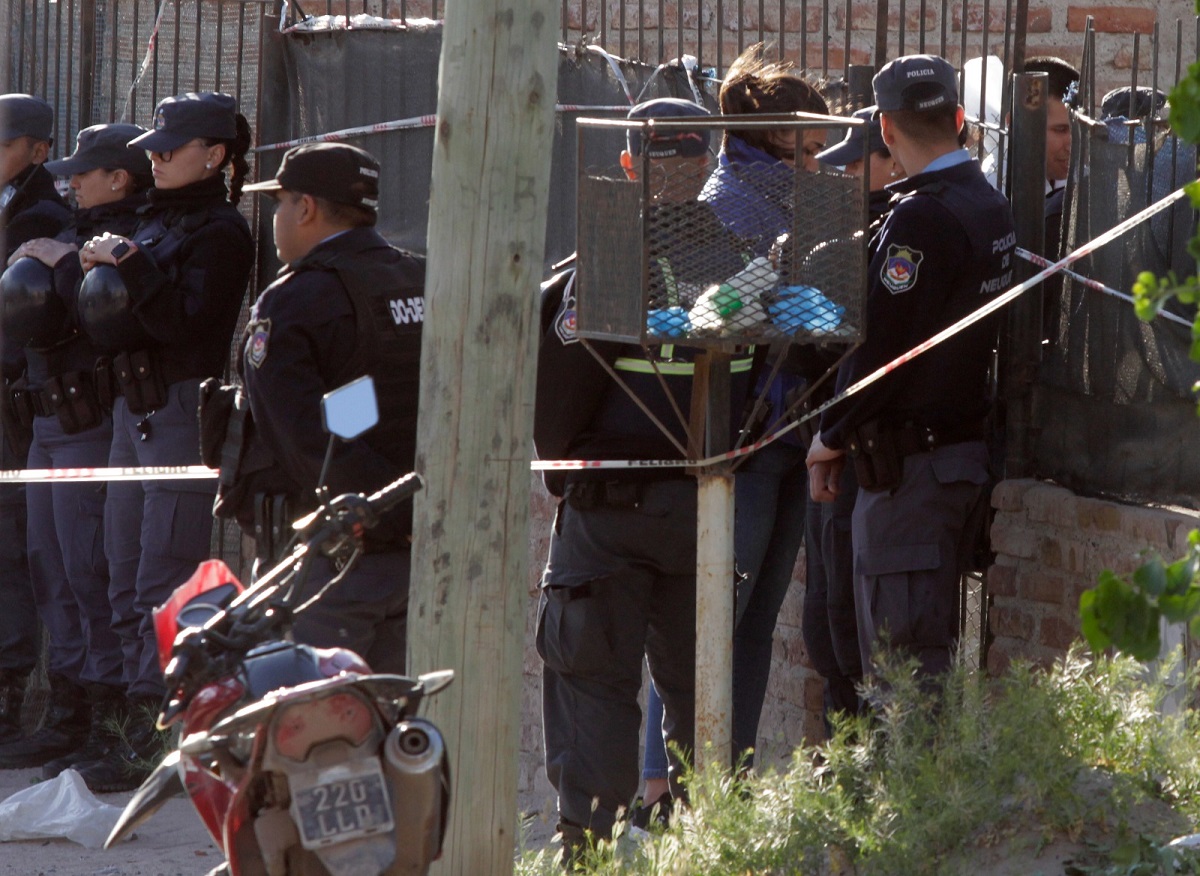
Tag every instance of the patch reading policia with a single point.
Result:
(899, 272)
(256, 353)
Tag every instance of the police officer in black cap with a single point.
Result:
(29, 208)
(72, 429)
(345, 304)
(168, 313)
(916, 436)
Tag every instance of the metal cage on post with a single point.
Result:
(689, 252)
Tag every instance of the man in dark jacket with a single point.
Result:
(620, 581)
(916, 435)
(346, 304)
(29, 208)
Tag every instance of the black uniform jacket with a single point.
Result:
(188, 277)
(303, 340)
(944, 250)
(582, 413)
(35, 211)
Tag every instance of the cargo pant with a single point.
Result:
(911, 547)
(620, 584)
(155, 532)
(66, 555)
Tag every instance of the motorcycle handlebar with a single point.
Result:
(395, 493)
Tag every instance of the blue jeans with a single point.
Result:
(770, 498)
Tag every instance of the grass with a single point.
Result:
(1033, 756)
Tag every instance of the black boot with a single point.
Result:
(64, 728)
(126, 765)
(108, 716)
(12, 695)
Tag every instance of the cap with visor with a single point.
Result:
(103, 146)
(851, 149)
(207, 115)
(921, 83)
(23, 115)
(668, 143)
(337, 172)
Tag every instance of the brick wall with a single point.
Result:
(1052, 545)
(818, 39)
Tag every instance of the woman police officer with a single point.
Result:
(71, 428)
(183, 273)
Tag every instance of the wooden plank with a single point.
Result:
(487, 218)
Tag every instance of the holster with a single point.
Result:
(876, 455)
(16, 416)
(141, 381)
(588, 495)
(807, 429)
(72, 397)
(105, 382)
(272, 526)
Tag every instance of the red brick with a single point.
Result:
(1002, 580)
(862, 17)
(1123, 59)
(1112, 19)
(1011, 622)
(1058, 633)
(1038, 586)
(1038, 20)
(998, 660)
(792, 21)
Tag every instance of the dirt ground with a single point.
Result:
(172, 843)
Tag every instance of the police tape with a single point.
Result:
(426, 121)
(950, 331)
(129, 473)
(1042, 261)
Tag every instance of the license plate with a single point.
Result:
(342, 805)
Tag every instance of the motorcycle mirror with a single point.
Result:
(350, 410)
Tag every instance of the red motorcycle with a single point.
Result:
(300, 761)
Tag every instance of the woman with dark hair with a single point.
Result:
(168, 313)
(751, 190)
(71, 429)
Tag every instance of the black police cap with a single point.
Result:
(23, 115)
(207, 115)
(337, 172)
(103, 146)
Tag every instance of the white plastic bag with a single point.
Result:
(61, 808)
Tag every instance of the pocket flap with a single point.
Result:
(954, 469)
(894, 559)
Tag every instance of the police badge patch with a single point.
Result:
(256, 349)
(899, 272)
(564, 320)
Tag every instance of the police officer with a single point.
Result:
(916, 435)
(620, 581)
(183, 275)
(345, 304)
(72, 429)
(829, 623)
(29, 208)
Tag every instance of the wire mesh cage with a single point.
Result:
(683, 249)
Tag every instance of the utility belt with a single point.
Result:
(878, 450)
(79, 399)
(141, 378)
(585, 495)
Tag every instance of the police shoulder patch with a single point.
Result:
(256, 348)
(899, 273)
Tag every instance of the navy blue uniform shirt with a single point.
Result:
(944, 250)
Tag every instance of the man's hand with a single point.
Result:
(824, 470)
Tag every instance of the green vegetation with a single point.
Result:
(938, 782)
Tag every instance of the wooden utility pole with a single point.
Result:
(497, 86)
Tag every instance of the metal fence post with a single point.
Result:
(1021, 354)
